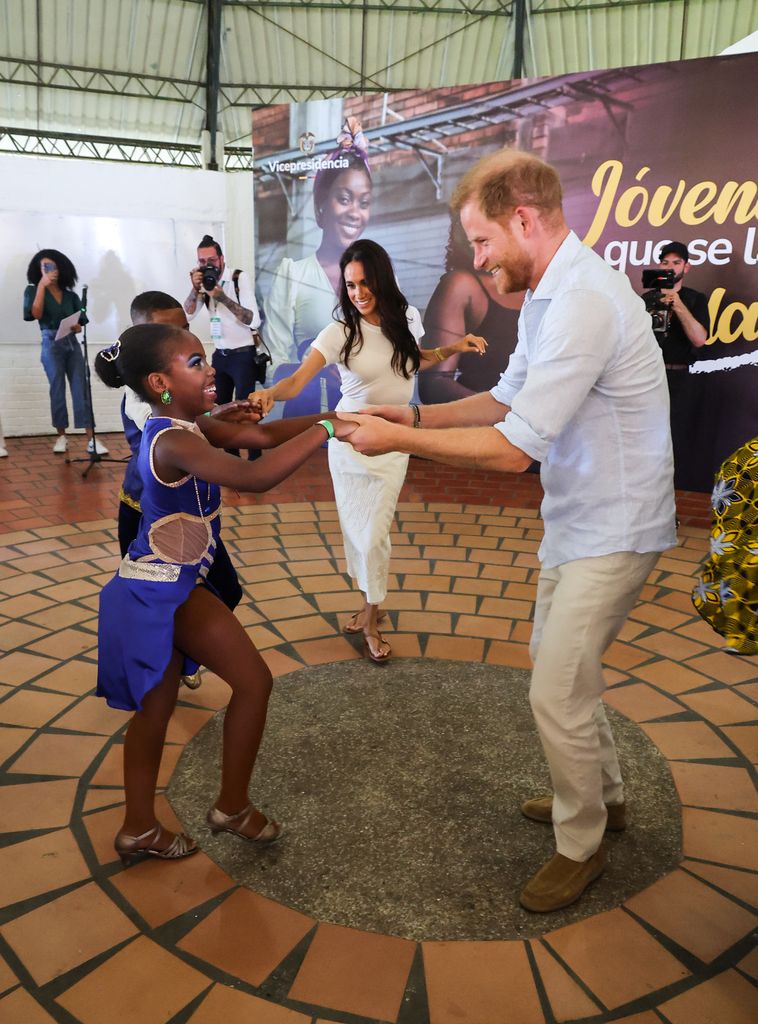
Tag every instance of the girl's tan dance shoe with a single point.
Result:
(235, 823)
(130, 847)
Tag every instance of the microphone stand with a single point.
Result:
(93, 456)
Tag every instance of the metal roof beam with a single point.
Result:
(477, 7)
(212, 66)
(110, 83)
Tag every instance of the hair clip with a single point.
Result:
(110, 355)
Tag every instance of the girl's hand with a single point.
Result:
(76, 328)
(241, 411)
(49, 278)
(471, 343)
(263, 400)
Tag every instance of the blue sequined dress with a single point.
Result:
(169, 557)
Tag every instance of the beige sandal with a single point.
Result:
(129, 847)
(235, 823)
(351, 626)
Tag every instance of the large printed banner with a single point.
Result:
(646, 155)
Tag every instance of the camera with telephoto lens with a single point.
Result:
(660, 313)
(260, 359)
(210, 277)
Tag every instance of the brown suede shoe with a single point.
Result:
(541, 809)
(561, 882)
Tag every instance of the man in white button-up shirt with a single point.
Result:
(585, 394)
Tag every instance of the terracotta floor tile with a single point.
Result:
(746, 738)
(71, 590)
(92, 714)
(749, 963)
(748, 690)
(142, 982)
(161, 890)
(36, 805)
(344, 601)
(329, 584)
(96, 798)
(398, 600)
(686, 740)
(22, 584)
(447, 569)
(247, 935)
(58, 754)
(234, 1007)
(702, 632)
(454, 648)
(309, 628)
(640, 703)
(727, 997)
(7, 978)
(512, 654)
(263, 637)
(622, 655)
(722, 706)
(67, 643)
(317, 567)
(670, 645)
(25, 605)
(708, 785)
(280, 664)
(506, 608)
(726, 667)
(77, 677)
(654, 615)
(186, 723)
(319, 652)
(213, 693)
(454, 603)
(742, 884)
(60, 616)
(594, 948)
(18, 1007)
(284, 607)
(480, 983)
(66, 932)
(32, 708)
(110, 771)
(723, 838)
(488, 588)
(19, 634)
(485, 627)
(567, 1000)
(20, 667)
(354, 972)
(424, 622)
(39, 865)
(692, 914)
(670, 676)
(11, 739)
(404, 645)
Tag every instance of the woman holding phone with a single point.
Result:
(49, 298)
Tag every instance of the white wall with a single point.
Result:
(127, 229)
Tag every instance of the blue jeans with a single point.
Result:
(63, 359)
(235, 377)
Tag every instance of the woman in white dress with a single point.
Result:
(375, 348)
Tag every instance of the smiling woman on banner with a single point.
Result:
(304, 292)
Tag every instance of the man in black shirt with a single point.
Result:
(686, 330)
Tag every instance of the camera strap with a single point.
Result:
(256, 334)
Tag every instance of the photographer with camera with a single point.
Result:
(239, 356)
(680, 324)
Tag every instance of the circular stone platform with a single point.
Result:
(400, 788)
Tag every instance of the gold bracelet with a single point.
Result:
(438, 355)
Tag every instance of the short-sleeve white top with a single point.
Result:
(369, 379)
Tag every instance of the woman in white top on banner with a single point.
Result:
(375, 348)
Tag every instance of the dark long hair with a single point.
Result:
(140, 350)
(67, 275)
(391, 305)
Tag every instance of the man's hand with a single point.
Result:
(402, 414)
(241, 411)
(372, 435)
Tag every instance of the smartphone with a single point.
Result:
(48, 268)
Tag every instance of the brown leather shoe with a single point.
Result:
(541, 809)
(561, 882)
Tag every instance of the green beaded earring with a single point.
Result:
(166, 396)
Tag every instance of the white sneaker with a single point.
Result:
(99, 448)
(3, 453)
(60, 445)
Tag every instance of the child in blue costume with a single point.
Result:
(158, 617)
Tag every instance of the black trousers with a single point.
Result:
(235, 378)
(222, 575)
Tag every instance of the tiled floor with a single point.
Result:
(83, 940)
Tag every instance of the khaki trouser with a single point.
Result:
(580, 608)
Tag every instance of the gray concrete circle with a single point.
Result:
(400, 788)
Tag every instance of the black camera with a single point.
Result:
(660, 313)
(210, 277)
(260, 359)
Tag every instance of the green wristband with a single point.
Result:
(327, 425)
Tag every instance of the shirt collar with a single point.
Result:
(556, 268)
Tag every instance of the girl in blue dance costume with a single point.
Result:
(159, 619)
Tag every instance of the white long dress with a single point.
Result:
(366, 488)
